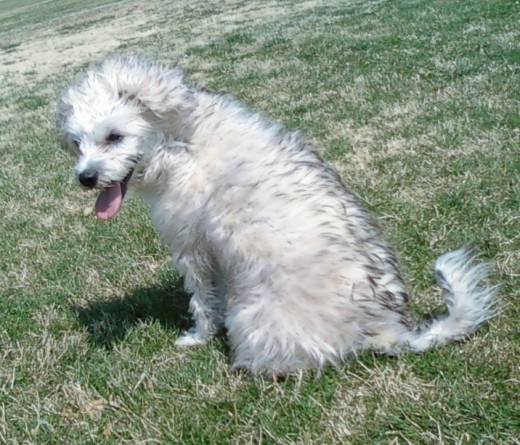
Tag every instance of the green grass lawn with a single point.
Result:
(416, 103)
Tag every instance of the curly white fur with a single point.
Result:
(272, 246)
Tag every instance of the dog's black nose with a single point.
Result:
(88, 179)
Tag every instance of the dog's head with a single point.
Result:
(114, 117)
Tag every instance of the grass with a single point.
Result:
(416, 104)
(16, 15)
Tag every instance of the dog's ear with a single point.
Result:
(150, 86)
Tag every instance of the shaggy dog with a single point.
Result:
(272, 246)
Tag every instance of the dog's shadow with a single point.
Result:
(109, 321)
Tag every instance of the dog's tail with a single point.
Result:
(469, 302)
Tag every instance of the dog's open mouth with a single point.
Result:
(111, 197)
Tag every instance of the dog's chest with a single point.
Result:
(177, 220)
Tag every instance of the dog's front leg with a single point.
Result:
(205, 307)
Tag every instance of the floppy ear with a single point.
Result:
(150, 86)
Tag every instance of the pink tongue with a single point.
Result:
(109, 201)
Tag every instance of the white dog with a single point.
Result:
(271, 244)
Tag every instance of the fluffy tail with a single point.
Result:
(469, 303)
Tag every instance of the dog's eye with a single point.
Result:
(114, 138)
(76, 143)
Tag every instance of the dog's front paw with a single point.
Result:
(192, 337)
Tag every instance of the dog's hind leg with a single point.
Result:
(205, 307)
(272, 333)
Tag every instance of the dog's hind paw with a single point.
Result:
(191, 337)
